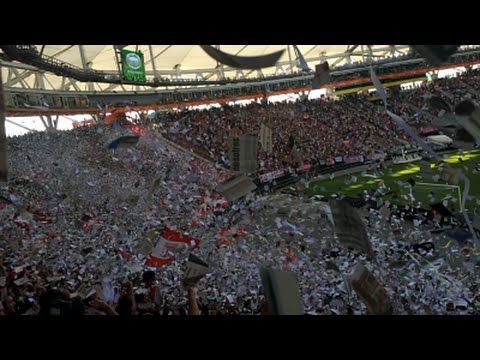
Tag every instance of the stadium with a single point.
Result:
(239, 180)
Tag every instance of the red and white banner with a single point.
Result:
(330, 161)
(170, 242)
(173, 241)
(428, 130)
(304, 168)
(154, 261)
(272, 175)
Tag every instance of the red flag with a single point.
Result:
(127, 255)
(154, 261)
(170, 242)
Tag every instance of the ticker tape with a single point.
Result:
(405, 127)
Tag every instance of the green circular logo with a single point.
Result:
(134, 61)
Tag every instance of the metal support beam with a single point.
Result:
(290, 59)
(309, 51)
(155, 75)
(369, 55)
(23, 127)
(160, 53)
(346, 55)
(85, 64)
(206, 77)
(49, 83)
(239, 74)
(20, 78)
(73, 82)
(279, 70)
(40, 80)
(221, 73)
(9, 78)
(110, 87)
(118, 60)
(44, 123)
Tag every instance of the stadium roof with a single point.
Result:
(181, 61)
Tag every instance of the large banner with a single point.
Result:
(195, 270)
(349, 227)
(243, 153)
(133, 66)
(282, 292)
(371, 291)
(266, 139)
(236, 188)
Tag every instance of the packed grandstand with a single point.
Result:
(111, 217)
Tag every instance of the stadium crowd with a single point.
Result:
(322, 128)
(75, 217)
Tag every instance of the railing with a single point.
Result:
(68, 103)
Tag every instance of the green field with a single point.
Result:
(395, 178)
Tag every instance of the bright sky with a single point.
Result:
(34, 123)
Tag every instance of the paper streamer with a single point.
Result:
(303, 63)
(378, 86)
(405, 127)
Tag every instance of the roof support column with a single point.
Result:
(40, 80)
(290, 59)
(85, 65)
(152, 59)
(221, 73)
